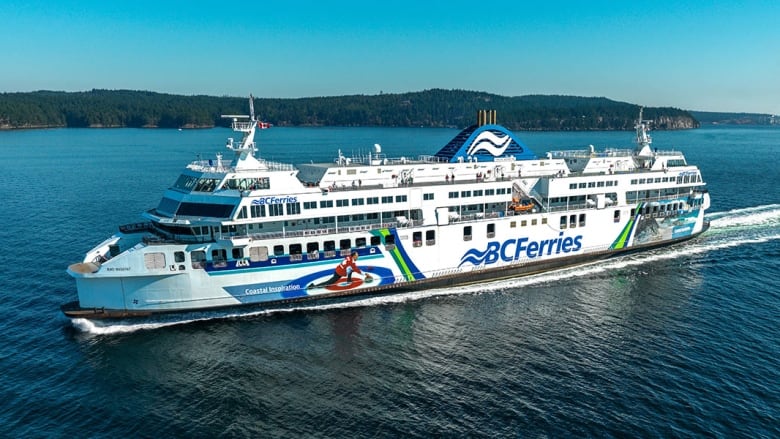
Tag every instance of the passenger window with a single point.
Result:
(257, 254)
(154, 261)
(198, 259)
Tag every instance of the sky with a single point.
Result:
(695, 55)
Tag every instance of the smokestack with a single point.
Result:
(485, 117)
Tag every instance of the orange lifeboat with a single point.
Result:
(517, 206)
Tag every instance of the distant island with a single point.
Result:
(716, 118)
(429, 108)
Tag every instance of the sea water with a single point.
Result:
(676, 342)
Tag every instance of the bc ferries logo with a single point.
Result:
(274, 200)
(516, 249)
(492, 143)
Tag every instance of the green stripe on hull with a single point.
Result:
(397, 257)
(621, 240)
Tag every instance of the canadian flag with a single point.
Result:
(263, 125)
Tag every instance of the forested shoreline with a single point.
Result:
(430, 108)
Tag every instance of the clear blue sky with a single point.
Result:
(697, 55)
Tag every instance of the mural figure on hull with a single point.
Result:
(342, 275)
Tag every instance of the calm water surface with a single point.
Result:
(678, 342)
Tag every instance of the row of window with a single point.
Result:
(479, 193)
(189, 183)
(345, 202)
(259, 211)
(571, 221)
(592, 184)
(680, 179)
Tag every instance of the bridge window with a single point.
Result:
(563, 221)
(326, 203)
(430, 237)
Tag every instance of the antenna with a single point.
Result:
(251, 107)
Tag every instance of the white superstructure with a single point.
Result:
(249, 231)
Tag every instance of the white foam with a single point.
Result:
(759, 215)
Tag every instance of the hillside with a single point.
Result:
(430, 108)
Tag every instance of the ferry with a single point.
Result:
(252, 232)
